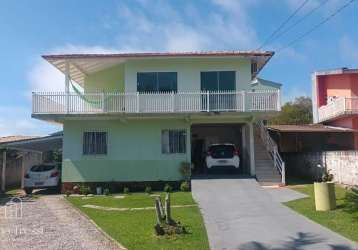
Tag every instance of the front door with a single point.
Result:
(220, 85)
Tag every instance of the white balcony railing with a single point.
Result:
(339, 106)
(158, 102)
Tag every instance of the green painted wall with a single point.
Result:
(108, 80)
(189, 70)
(134, 152)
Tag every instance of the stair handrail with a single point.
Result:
(272, 149)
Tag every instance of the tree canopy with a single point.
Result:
(296, 112)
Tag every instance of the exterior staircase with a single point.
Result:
(267, 173)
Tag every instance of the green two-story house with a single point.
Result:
(133, 118)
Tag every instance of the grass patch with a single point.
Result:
(135, 229)
(342, 220)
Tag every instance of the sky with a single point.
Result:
(30, 29)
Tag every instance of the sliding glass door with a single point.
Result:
(220, 85)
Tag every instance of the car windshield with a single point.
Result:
(222, 151)
(42, 168)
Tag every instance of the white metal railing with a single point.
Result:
(337, 107)
(272, 149)
(154, 102)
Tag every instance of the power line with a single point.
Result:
(317, 25)
(298, 21)
(283, 24)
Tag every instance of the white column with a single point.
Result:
(67, 84)
(252, 149)
(279, 100)
(3, 172)
(244, 146)
(23, 160)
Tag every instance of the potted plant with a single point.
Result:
(324, 192)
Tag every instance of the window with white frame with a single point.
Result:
(174, 141)
(95, 143)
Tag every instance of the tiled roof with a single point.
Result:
(14, 138)
(162, 54)
(309, 128)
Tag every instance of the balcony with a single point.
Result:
(44, 103)
(340, 106)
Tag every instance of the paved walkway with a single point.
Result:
(239, 214)
(49, 223)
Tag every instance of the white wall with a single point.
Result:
(188, 71)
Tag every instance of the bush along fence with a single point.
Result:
(343, 165)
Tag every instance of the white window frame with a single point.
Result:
(173, 147)
(89, 152)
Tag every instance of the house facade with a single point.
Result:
(335, 98)
(136, 117)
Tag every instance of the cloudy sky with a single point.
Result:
(32, 28)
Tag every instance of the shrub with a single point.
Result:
(85, 190)
(168, 188)
(184, 186)
(76, 189)
(106, 191)
(126, 190)
(327, 176)
(148, 189)
(185, 170)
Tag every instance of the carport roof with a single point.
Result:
(308, 128)
(33, 143)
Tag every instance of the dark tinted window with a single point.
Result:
(42, 168)
(227, 80)
(147, 82)
(209, 81)
(218, 80)
(222, 151)
(167, 81)
(156, 81)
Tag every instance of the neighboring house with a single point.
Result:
(335, 98)
(134, 118)
(305, 148)
(19, 153)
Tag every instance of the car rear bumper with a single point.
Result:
(50, 182)
(213, 162)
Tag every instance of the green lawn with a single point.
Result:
(135, 229)
(343, 220)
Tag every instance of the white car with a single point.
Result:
(42, 176)
(222, 155)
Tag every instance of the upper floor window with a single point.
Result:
(95, 143)
(157, 81)
(217, 80)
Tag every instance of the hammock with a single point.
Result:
(96, 103)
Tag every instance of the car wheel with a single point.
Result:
(28, 190)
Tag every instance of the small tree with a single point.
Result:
(295, 112)
(185, 170)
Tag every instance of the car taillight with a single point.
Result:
(236, 152)
(208, 153)
(55, 174)
(27, 176)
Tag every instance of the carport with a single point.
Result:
(39, 146)
(203, 135)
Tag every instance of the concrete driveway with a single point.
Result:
(240, 214)
(48, 222)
